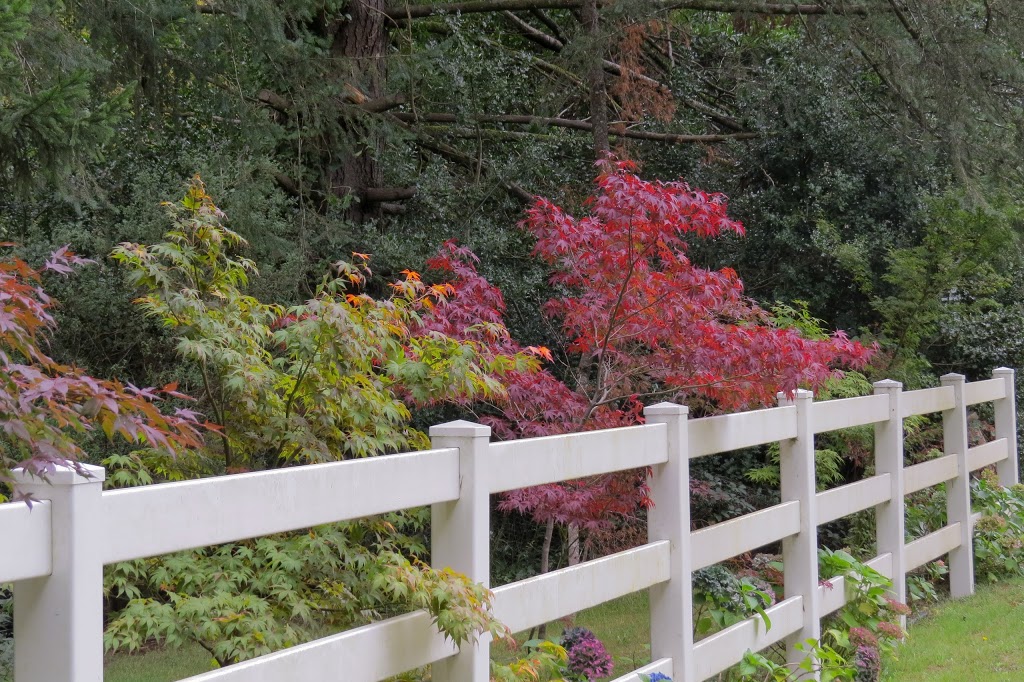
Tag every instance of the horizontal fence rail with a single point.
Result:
(165, 518)
(524, 463)
(544, 598)
(53, 551)
(26, 541)
(853, 497)
(731, 538)
(849, 412)
(927, 400)
(712, 435)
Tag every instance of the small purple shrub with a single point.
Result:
(587, 656)
(867, 663)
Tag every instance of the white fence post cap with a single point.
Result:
(460, 428)
(798, 394)
(665, 408)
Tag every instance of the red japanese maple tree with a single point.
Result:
(43, 403)
(640, 322)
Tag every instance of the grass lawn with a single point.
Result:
(158, 665)
(622, 625)
(980, 639)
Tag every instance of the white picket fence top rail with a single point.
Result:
(54, 551)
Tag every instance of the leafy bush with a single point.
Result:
(545, 661)
(330, 379)
(6, 634)
(722, 599)
(45, 406)
(999, 533)
(855, 640)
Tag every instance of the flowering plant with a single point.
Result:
(578, 657)
(588, 659)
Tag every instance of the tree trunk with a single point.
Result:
(360, 46)
(575, 546)
(595, 79)
(545, 549)
(545, 564)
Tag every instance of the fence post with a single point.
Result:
(890, 521)
(460, 537)
(58, 619)
(958, 490)
(1006, 427)
(800, 551)
(669, 519)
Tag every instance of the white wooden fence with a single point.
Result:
(54, 552)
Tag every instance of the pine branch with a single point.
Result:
(399, 13)
(616, 129)
(446, 151)
(537, 36)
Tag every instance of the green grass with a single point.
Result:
(158, 665)
(979, 639)
(621, 625)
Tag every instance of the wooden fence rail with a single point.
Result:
(54, 552)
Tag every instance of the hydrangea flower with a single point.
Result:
(868, 664)
(863, 637)
(587, 656)
(897, 607)
(891, 630)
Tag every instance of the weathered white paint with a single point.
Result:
(927, 400)
(932, 472)
(669, 520)
(523, 463)
(733, 537)
(1006, 427)
(958, 490)
(58, 619)
(854, 497)
(984, 391)
(549, 596)
(726, 432)
(365, 654)
(158, 519)
(460, 536)
(833, 415)
(890, 517)
(25, 541)
(727, 647)
(800, 551)
(661, 665)
(833, 593)
(988, 453)
(932, 546)
(58, 579)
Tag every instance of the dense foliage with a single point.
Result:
(44, 404)
(871, 149)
